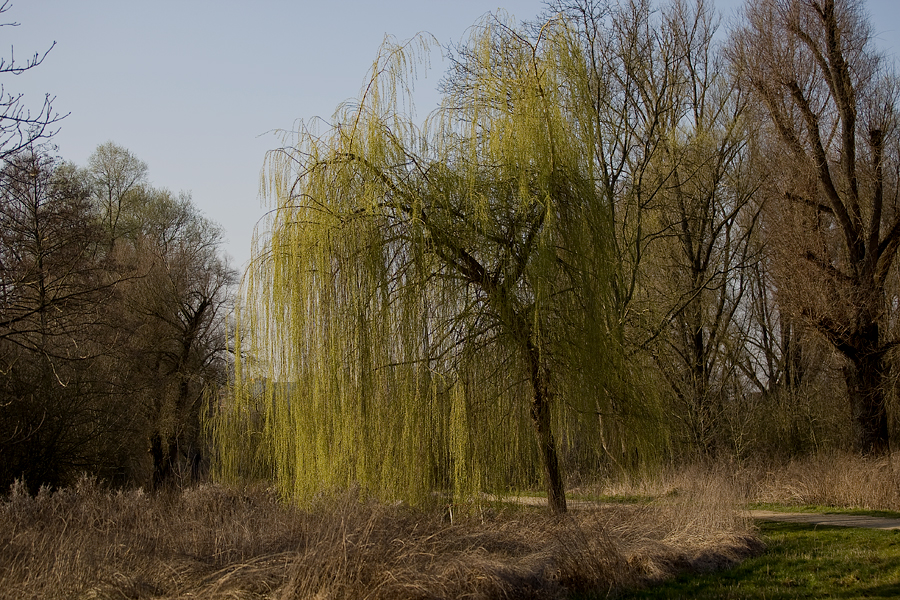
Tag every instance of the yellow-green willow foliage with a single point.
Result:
(430, 311)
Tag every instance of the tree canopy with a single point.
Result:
(431, 311)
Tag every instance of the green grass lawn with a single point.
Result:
(802, 561)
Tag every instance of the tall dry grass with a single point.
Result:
(839, 479)
(216, 542)
(830, 478)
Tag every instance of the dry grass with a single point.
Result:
(216, 542)
(837, 479)
(834, 478)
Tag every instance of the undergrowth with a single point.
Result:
(212, 541)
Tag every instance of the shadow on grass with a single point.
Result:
(801, 561)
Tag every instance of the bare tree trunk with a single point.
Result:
(865, 380)
(164, 453)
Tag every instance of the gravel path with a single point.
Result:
(827, 519)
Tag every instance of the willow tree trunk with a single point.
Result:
(540, 417)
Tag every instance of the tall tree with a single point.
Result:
(630, 78)
(117, 180)
(110, 346)
(178, 300)
(671, 158)
(832, 110)
(59, 414)
(427, 296)
(706, 217)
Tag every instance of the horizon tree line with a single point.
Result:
(623, 239)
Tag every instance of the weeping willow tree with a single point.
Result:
(430, 310)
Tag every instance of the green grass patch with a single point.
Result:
(814, 508)
(801, 561)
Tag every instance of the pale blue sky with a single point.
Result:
(196, 87)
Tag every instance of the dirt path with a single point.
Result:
(834, 519)
(837, 520)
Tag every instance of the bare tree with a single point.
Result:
(180, 300)
(831, 107)
(59, 414)
(706, 216)
(671, 159)
(108, 350)
(20, 128)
